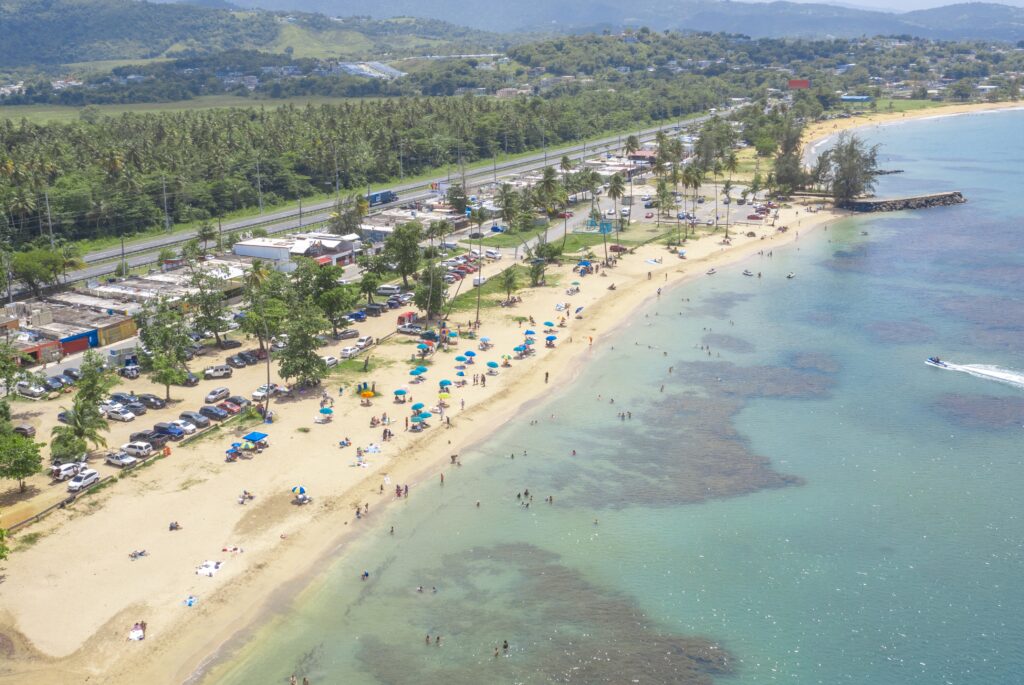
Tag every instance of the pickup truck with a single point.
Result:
(121, 459)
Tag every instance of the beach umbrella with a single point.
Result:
(575, 283)
(418, 419)
(421, 369)
(299, 490)
(424, 415)
(460, 373)
(236, 445)
(506, 356)
(418, 406)
(492, 365)
(551, 337)
(453, 334)
(460, 358)
(519, 348)
(366, 393)
(470, 353)
(415, 372)
(529, 332)
(327, 411)
(579, 309)
(549, 324)
(445, 383)
(583, 262)
(423, 346)
(443, 395)
(485, 339)
(399, 392)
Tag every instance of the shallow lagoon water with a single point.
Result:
(809, 504)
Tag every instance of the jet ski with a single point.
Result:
(748, 272)
(711, 272)
(791, 275)
(935, 361)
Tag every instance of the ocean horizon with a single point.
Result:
(754, 480)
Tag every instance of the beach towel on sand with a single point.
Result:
(208, 569)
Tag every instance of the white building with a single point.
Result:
(277, 251)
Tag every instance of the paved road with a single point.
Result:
(145, 252)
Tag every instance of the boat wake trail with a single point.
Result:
(992, 373)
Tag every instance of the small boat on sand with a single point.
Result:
(791, 275)
(748, 272)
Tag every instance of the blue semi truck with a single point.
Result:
(382, 197)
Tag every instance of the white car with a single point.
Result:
(65, 471)
(348, 352)
(121, 459)
(609, 213)
(120, 414)
(84, 479)
(364, 342)
(137, 449)
(332, 361)
(479, 280)
(625, 211)
(188, 428)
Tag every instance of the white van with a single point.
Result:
(389, 290)
(493, 254)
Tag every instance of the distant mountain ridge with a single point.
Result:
(986, 21)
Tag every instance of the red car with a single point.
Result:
(230, 407)
(649, 215)
(457, 275)
(565, 215)
(754, 217)
(618, 248)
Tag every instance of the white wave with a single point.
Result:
(992, 373)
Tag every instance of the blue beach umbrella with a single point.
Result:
(453, 334)
(460, 358)
(583, 262)
(418, 419)
(492, 365)
(551, 337)
(519, 348)
(549, 324)
(326, 411)
(415, 372)
(579, 309)
(460, 373)
(485, 339)
(421, 369)
(423, 346)
(529, 332)
(299, 490)
(418, 406)
(445, 383)
(424, 415)
(236, 444)
(470, 353)
(399, 392)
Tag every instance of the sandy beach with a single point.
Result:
(68, 601)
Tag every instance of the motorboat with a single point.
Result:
(711, 272)
(935, 361)
(748, 272)
(791, 275)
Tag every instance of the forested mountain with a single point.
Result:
(776, 19)
(53, 32)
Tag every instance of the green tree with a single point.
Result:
(509, 282)
(206, 234)
(10, 368)
(368, 285)
(19, 458)
(96, 380)
(37, 268)
(336, 303)
(83, 425)
(402, 248)
(456, 197)
(166, 254)
(206, 303)
(853, 168)
(616, 189)
(300, 358)
(166, 340)
(431, 291)
(265, 298)
(4, 549)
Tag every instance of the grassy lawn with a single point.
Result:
(506, 239)
(491, 293)
(907, 105)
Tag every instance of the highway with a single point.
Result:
(103, 262)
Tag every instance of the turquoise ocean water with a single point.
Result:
(810, 497)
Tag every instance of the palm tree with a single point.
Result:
(205, 234)
(547, 188)
(508, 200)
(71, 258)
(509, 281)
(665, 199)
(82, 423)
(258, 274)
(616, 189)
(726, 190)
(716, 171)
(632, 144)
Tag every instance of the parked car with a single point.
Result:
(84, 479)
(347, 353)
(330, 361)
(137, 408)
(389, 290)
(120, 414)
(219, 371)
(364, 342)
(53, 384)
(106, 405)
(357, 317)
(65, 379)
(121, 459)
(217, 394)
(212, 412)
(195, 418)
(240, 401)
(230, 407)
(187, 427)
(261, 393)
(191, 380)
(347, 333)
(249, 358)
(410, 329)
(137, 448)
(565, 215)
(130, 372)
(236, 361)
(59, 472)
(73, 373)
(226, 344)
(157, 440)
(64, 417)
(479, 280)
(123, 398)
(27, 389)
(26, 430)
(170, 430)
(152, 401)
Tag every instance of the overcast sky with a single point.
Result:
(899, 5)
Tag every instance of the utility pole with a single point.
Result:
(49, 221)
(259, 185)
(300, 211)
(124, 266)
(167, 217)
